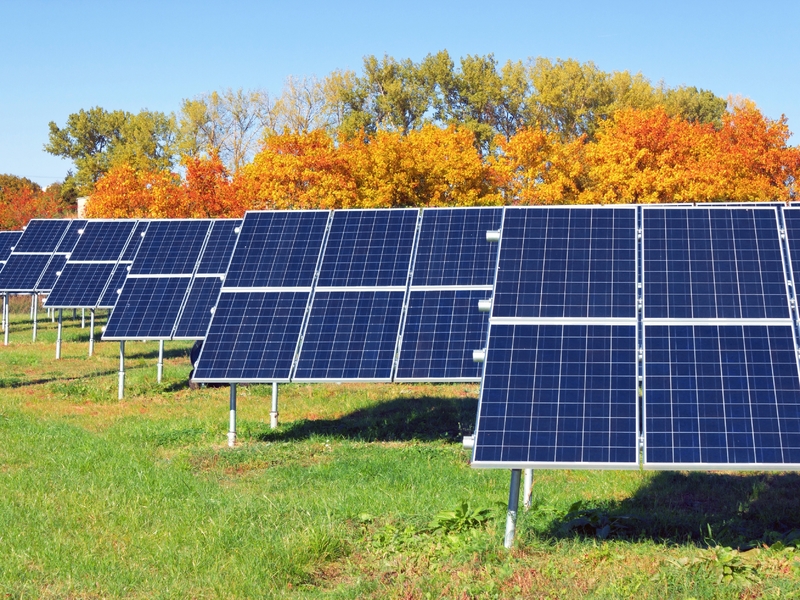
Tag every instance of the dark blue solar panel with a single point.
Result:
(70, 238)
(48, 279)
(110, 296)
(705, 263)
(170, 247)
(80, 285)
(253, 336)
(147, 308)
(558, 395)
(7, 241)
(368, 248)
(136, 240)
(102, 240)
(277, 249)
(22, 271)
(351, 335)
(791, 219)
(217, 253)
(721, 395)
(42, 235)
(442, 329)
(196, 315)
(452, 247)
(567, 262)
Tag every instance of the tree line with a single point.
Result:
(431, 132)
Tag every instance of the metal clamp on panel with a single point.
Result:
(493, 235)
(478, 356)
(485, 306)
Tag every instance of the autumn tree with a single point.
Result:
(125, 192)
(208, 189)
(21, 203)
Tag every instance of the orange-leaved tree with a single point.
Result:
(209, 190)
(432, 166)
(298, 170)
(538, 167)
(648, 156)
(126, 192)
(18, 206)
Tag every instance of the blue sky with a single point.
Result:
(59, 57)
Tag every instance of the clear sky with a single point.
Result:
(61, 56)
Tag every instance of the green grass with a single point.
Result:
(364, 491)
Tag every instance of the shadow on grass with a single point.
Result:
(737, 510)
(15, 382)
(153, 354)
(402, 419)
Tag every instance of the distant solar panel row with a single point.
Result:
(351, 295)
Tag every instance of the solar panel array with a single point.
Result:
(39, 254)
(353, 295)
(694, 305)
(156, 291)
(7, 241)
(87, 272)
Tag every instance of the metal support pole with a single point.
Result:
(32, 296)
(83, 318)
(58, 337)
(513, 506)
(91, 332)
(160, 359)
(273, 415)
(51, 312)
(35, 314)
(527, 489)
(232, 427)
(121, 388)
(74, 313)
(6, 320)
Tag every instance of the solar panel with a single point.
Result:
(42, 235)
(218, 249)
(350, 335)
(253, 337)
(54, 267)
(791, 220)
(7, 241)
(257, 322)
(713, 263)
(136, 240)
(442, 328)
(196, 314)
(170, 247)
(147, 308)
(22, 271)
(368, 248)
(155, 289)
(111, 294)
(452, 249)
(80, 285)
(567, 262)
(277, 249)
(71, 236)
(558, 395)
(721, 396)
(102, 240)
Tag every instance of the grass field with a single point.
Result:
(364, 491)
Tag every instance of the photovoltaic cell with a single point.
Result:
(22, 271)
(102, 241)
(452, 247)
(42, 235)
(80, 285)
(721, 396)
(713, 263)
(147, 308)
(170, 247)
(442, 329)
(558, 395)
(567, 262)
(67, 243)
(196, 315)
(253, 336)
(217, 253)
(277, 249)
(368, 248)
(350, 335)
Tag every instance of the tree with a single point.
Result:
(125, 192)
(21, 203)
(208, 189)
(96, 140)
